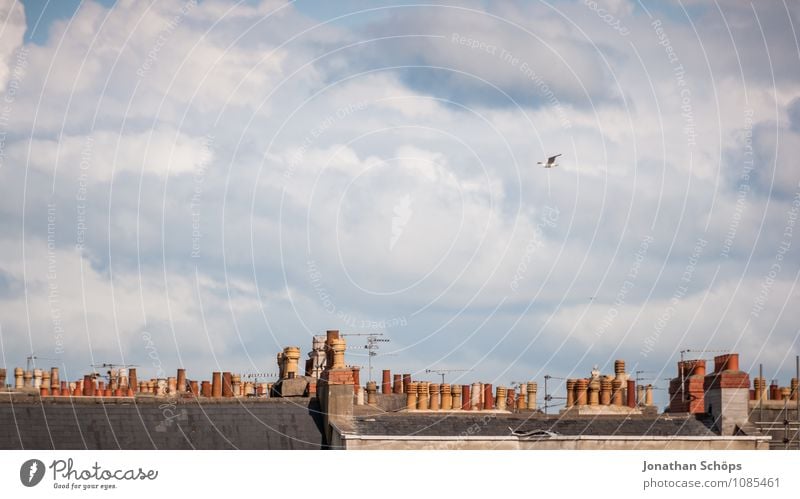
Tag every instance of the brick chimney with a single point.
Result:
(686, 391)
(727, 394)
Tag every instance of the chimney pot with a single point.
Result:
(501, 398)
(433, 390)
(447, 397)
(532, 395)
(386, 384)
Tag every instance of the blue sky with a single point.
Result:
(228, 178)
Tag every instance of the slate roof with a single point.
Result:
(272, 424)
(442, 425)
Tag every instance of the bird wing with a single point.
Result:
(552, 159)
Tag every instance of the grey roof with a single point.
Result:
(235, 424)
(461, 425)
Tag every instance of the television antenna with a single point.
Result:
(110, 367)
(373, 340)
(30, 361)
(442, 372)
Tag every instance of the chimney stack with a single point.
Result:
(406, 382)
(423, 402)
(132, 380)
(501, 398)
(594, 391)
(216, 384)
(411, 396)
(455, 391)
(37, 378)
(433, 389)
(339, 346)
(236, 385)
(532, 395)
(19, 381)
(386, 385)
(648, 396)
(616, 395)
(88, 386)
(466, 401)
(488, 400)
(605, 390)
(181, 380)
(172, 385)
(631, 393)
(398, 384)
(330, 336)
(227, 388)
(475, 397)
(372, 393)
(447, 397)
(581, 388)
(571, 384)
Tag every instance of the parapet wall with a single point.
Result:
(29, 422)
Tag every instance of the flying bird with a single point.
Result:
(550, 163)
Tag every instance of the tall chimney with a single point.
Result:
(330, 336)
(631, 393)
(594, 391)
(19, 382)
(581, 388)
(386, 385)
(447, 398)
(616, 395)
(433, 389)
(398, 384)
(216, 384)
(372, 393)
(571, 383)
(236, 385)
(605, 390)
(423, 402)
(411, 396)
(172, 385)
(37, 378)
(475, 397)
(501, 398)
(466, 400)
(648, 396)
(455, 390)
(488, 401)
(132, 380)
(227, 389)
(532, 395)
(339, 346)
(181, 380)
(406, 382)
(88, 386)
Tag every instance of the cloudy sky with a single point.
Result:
(203, 183)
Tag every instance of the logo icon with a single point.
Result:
(31, 472)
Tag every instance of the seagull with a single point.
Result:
(551, 161)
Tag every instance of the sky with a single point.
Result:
(201, 184)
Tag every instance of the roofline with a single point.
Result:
(353, 436)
